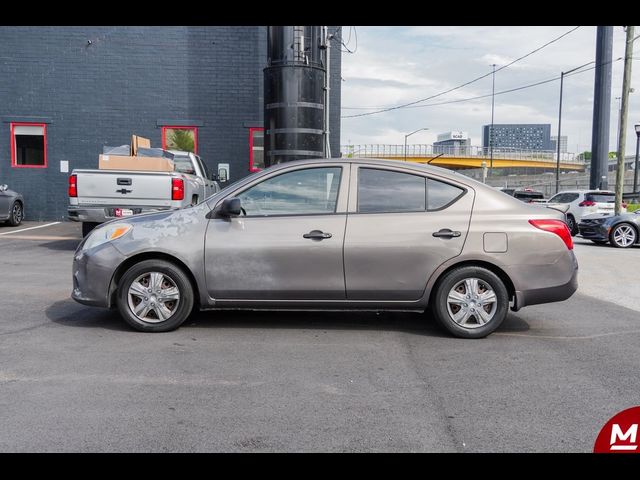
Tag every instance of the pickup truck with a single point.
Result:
(97, 196)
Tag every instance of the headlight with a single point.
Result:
(106, 234)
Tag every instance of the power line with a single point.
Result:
(464, 84)
(523, 87)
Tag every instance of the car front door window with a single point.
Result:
(310, 191)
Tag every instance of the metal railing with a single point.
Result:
(428, 151)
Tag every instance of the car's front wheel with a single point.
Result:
(470, 302)
(155, 296)
(623, 236)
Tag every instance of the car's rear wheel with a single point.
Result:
(623, 236)
(16, 215)
(470, 302)
(155, 296)
(573, 226)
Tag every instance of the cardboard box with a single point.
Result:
(137, 142)
(122, 162)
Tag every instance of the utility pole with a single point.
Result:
(622, 137)
(327, 37)
(493, 92)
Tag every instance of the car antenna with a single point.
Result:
(432, 159)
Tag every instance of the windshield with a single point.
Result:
(183, 165)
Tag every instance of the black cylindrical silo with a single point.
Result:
(294, 94)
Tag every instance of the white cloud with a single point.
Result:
(395, 65)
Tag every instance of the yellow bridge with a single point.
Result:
(455, 157)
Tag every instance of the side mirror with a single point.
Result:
(3, 187)
(231, 207)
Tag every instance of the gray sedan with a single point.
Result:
(621, 231)
(338, 234)
(11, 206)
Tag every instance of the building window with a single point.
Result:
(29, 145)
(256, 149)
(180, 138)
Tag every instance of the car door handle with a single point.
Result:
(446, 233)
(316, 235)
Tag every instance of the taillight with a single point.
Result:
(177, 189)
(624, 205)
(73, 185)
(587, 203)
(555, 226)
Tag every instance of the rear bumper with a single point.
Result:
(101, 214)
(549, 294)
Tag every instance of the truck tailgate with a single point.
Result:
(119, 187)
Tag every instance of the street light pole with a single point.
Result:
(405, 140)
(493, 92)
(559, 131)
(635, 171)
(562, 74)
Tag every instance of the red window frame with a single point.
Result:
(14, 161)
(251, 131)
(195, 135)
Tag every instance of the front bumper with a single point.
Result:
(92, 274)
(592, 231)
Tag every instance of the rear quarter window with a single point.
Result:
(440, 194)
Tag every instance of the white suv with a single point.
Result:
(584, 202)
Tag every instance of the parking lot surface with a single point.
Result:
(75, 378)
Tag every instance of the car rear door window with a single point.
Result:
(564, 198)
(311, 191)
(386, 191)
(441, 194)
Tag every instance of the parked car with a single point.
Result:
(584, 202)
(11, 206)
(527, 195)
(96, 196)
(344, 234)
(621, 231)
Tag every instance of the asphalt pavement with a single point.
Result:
(75, 378)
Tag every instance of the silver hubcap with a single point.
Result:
(17, 213)
(472, 303)
(153, 297)
(624, 235)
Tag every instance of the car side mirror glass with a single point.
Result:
(3, 187)
(231, 207)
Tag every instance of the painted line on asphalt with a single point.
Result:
(30, 228)
(41, 237)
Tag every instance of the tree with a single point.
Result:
(180, 139)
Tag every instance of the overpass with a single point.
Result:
(456, 157)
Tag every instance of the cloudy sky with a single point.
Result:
(395, 65)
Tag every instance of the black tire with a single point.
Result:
(16, 214)
(573, 226)
(600, 242)
(631, 231)
(87, 227)
(180, 280)
(454, 277)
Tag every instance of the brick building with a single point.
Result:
(65, 92)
